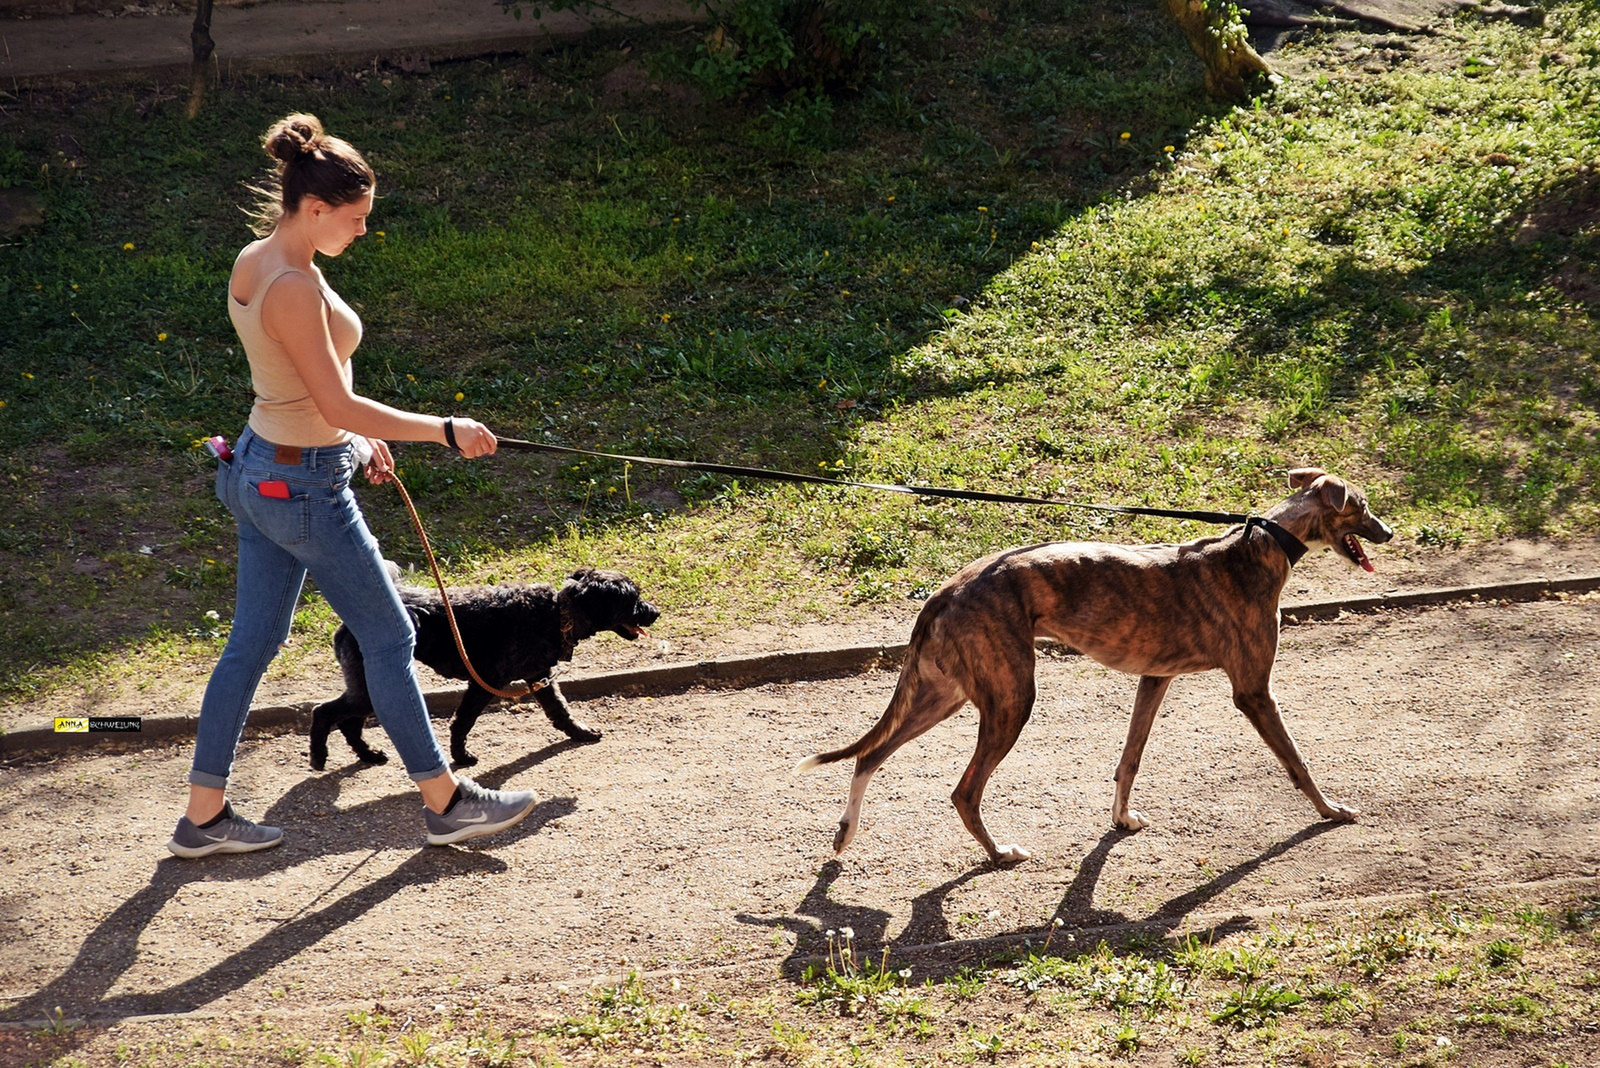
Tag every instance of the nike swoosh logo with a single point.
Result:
(217, 837)
(483, 818)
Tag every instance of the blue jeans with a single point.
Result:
(317, 528)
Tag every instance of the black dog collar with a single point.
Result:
(1292, 546)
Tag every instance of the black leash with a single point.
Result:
(1292, 546)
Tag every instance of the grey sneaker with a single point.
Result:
(227, 834)
(477, 811)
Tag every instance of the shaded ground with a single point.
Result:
(681, 842)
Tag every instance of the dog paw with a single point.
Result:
(581, 732)
(373, 756)
(1132, 820)
(319, 760)
(1007, 855)
(1340, 813)
(463, 760)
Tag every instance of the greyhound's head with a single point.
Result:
(1328, 511)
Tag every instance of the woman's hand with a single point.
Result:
(473, 439)
(380, 468)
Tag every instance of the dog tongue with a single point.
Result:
(1360, 555)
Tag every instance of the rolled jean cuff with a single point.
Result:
(205, 778)
(422, 776)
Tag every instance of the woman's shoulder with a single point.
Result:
(256, 270)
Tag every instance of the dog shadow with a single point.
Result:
(927, 931)
(819, 920)
(83, 990)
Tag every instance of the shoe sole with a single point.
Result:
(478, 830)
(195, 852)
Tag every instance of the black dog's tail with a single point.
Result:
(904, 693)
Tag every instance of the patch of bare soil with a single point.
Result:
(681, 843)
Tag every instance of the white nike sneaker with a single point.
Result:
(476, 812)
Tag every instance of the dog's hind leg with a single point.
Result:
(1261, 709)
(935, 699)
(1152, 689)
(1002, 713)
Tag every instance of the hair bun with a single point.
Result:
(295, 135)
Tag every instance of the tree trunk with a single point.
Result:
(1221, 44)
(202, 44)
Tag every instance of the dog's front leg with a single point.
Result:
(1146, 702)
(554, 703)
(473, 702)
(1261, 709)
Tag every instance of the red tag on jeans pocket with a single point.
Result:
(276, 490)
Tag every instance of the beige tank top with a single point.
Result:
(284, 412)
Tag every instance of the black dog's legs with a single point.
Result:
(348, 712)
(477, 699)
(555, 706)
(473, 702)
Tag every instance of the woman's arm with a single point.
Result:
(294, 315)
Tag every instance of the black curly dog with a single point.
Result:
(514, 631)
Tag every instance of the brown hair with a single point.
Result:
(310, 163)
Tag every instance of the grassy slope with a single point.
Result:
(974, 279)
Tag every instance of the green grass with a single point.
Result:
(969, 279)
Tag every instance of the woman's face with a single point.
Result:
(335, 227)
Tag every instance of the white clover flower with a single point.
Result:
(847, 933)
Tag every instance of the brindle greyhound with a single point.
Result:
(1155, 611)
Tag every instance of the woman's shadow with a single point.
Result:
(111, 949)
(927, 931)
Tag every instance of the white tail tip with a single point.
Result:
(806, 765)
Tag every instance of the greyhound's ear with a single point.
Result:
(1301, 477)
(1334, 491)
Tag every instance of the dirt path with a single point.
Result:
(1465, 735)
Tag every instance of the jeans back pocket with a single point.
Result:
(283, 520)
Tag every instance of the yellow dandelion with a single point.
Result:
(380, 233)
(1126, 135)
(821, 382)
(1169, 149)
(2, 404)
(159, 337)
(28, 375)
(411, 378)
(74, 285)
(890, 200)
(666, 317)
(460, 397)
(128, 247)
(982, 208)
(825, 252)
(844, 292)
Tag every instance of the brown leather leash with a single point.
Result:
(449, 613)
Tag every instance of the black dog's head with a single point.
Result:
(609, 600)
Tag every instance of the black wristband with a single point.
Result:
(450, 433)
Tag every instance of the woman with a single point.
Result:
(288, 485)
